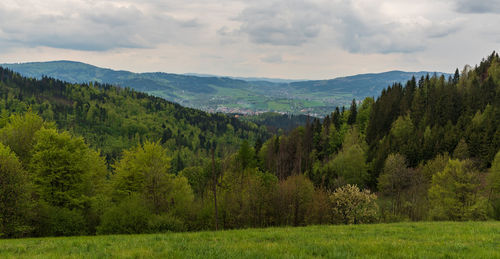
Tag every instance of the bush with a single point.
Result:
(165, 223)
(350, 205)
(57, 221)
(131, 216)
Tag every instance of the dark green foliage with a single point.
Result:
(60, 221)
(128, 217)
(434, 116)
(15, 200)
(276, 121)
(353, 113)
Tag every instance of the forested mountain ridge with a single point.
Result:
(229, 95)
(111, 118)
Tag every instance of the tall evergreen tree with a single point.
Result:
(353, 113)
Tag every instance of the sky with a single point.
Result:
(310, 39)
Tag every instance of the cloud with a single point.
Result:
(477, 6)
(274, 58)
(358, 26)
(286, 22)
(91, 25)
(401, 35)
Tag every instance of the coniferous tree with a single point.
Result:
(353, 112)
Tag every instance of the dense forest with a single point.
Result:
(276, 122)
(96, 159)
(112, 119)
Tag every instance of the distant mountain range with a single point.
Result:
(226, 94)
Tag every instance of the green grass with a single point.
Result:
(398, 240)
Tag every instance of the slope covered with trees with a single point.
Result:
(112, 118)
(429, 148)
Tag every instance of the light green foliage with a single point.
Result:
(364, 114)
(350, 162)
(454, 193)
(65, 170)
(198, 179)
(402, 128)
(19, 133)
(434, 166)
(15, 195)
(145, 170)
(350, 205)
(494, 185)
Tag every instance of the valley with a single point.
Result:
(249, 96)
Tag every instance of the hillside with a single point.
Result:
(113, 119)
(400, 240)
(276, 121)
(228, 95)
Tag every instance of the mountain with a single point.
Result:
(225, 94)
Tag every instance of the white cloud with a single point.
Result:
(91, 25)
(359, 26)
(286, 22)
(273, 58)
(477, 6)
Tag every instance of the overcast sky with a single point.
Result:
(313, 39)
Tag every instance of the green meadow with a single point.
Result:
(397, 240)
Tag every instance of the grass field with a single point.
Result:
(399, 240)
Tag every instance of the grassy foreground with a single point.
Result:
(403, 240)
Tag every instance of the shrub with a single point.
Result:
(131, 216)
(165, 223)
(57, 221)
(350, 205)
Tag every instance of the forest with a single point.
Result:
(85, 159)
